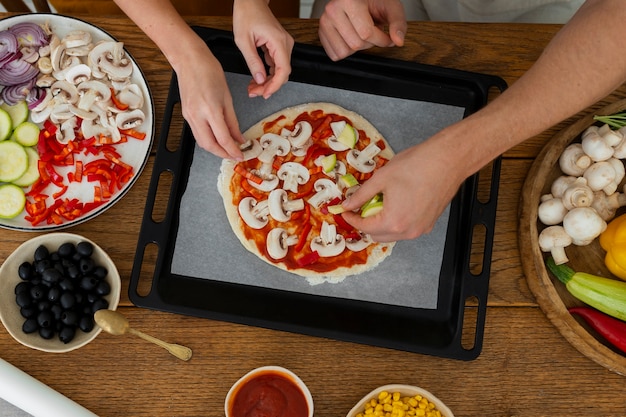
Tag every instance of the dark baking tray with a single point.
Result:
(437, 332)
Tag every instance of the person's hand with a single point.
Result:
(254, 26)
(348, 26)
(207, 105)
(415, 193)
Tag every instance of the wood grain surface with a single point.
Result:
(526, 368)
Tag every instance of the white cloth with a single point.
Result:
(526, 11)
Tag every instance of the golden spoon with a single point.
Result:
(115, 323)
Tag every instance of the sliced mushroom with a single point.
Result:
(363, 161)
(77, 74)
(251, 149)
(76, 38)
(281, 207)
(131, 95)
(326, 190)
(278, 242)
(64, 91)
(357, 245)
(293, 174)
(130, 119)
(273, 145)
(333, 143)
(329, 242)
(67, 131)
(92, 91)
(255, 214)
(300, 134)
(109, 57)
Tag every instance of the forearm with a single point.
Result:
(580, 66)
(162, 23)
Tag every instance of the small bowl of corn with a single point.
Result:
(413, 401)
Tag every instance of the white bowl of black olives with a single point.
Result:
(51, 285)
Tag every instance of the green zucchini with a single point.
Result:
(12, 201)
(13, 161)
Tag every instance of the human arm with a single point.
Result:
(254, 27)
(206, 102)
(580, 66)
(348, 26)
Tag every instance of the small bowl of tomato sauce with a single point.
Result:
(269, 390)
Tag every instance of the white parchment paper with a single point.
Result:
(207, 248)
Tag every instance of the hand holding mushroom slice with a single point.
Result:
(363, 161)
(326, 190)
(293, 174)
(281, 206)
(329, 242)
(278, 242)
(554, 239)
(255, 214)
(583, 224)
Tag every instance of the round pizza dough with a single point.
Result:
(377, 251)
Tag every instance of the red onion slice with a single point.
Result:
(29, 34)
(17, 72)
(8, 47)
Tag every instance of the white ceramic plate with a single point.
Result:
(134, 152)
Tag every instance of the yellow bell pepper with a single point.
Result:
(613, 241)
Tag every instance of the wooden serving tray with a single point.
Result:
(552, 296)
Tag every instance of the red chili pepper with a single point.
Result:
(612, 329)
(302, 237)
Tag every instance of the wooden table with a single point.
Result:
(525, 369)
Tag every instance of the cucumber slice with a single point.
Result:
(18, 112)
(12, 201)
(328, 162)
(32, 172)
(348, 136)
(26, 134)
(6, 125)
(371, 209)
(13, 161)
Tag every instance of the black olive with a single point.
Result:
(54, 294)
(28, 312)
(26, 271)
(69, 318)
(66, 284)
(103, 288)
(46, 333)
(44, 305)
(73, 271)
(30, 325)
(45, 318)
(86, 265)
(23, 299)
(41, 253)
(22, 287)
(88, 283)
(38, 292)
(66, 250)
(100, 272)
(66, 334)
(100, 304)
(86, 323)
(56, 311)
(84, 248)
(67, 300)
(42, 265)
(52, 275)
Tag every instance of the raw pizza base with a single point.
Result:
(377, 251)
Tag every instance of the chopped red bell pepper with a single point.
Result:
(308, 259)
